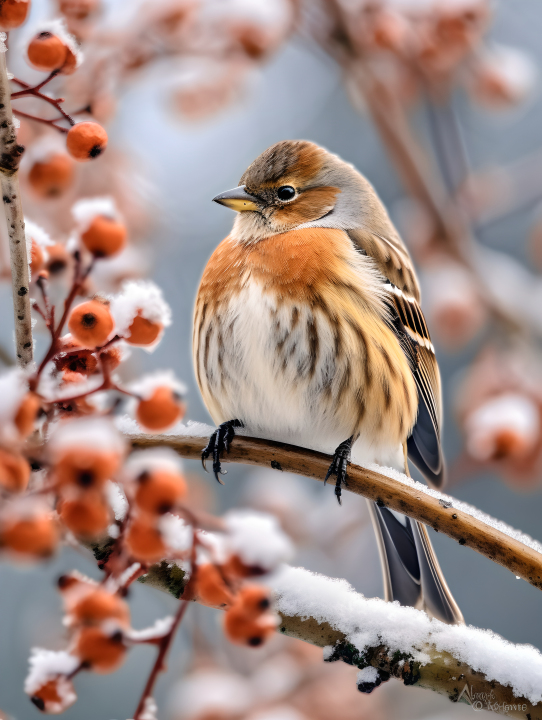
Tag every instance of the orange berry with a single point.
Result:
(210, 587)
(162, 410)
(58, 259)
(82, 361)
(91, 323)
(86, 468)
(99, 605)
(86, 514)
(51, 177)
(254, 599)
(77, 9)
(26, 414)
(37, 258)
(86, 140)
(36, 536)
(243, 629)
(14, 471)
(104, 237)
(101, 652)
(54, 696)
(143, 331)
(13, 13)
(159, 491)
(70, 64)
(144, 541)
(47, 52)
(111, 357)
(235, 568)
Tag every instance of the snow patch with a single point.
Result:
(369, 622)
(257, 539)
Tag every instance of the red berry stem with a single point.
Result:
(159, 663)
(51, 123)
(29, 91)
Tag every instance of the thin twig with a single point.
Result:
(160, 658)
(10, 156)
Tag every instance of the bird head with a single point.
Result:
(296, 183)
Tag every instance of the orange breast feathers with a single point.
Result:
(313, 276)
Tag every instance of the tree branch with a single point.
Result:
(10, 155)
(438, 511)
(367, 632)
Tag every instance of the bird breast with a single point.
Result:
(290, 337)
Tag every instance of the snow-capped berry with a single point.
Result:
(33, 537)
(91, 323)
(13, 13)
(51, 176)
(159, 491)
(54, 696)
(97, 436)
(211, 589)
(255, 599)
(144, 541)
(104, 236)
(100, 650)
(161, 411)
(257, 540)
(47, 52)
(85, 467)
(86, 140)
(47, 682)
(140, 312)
(25, 417)
(143, 332)
(14, 471)
(99, 605)
(242, 628)
(58, 259)
(85, 513)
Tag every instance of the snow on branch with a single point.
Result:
(468, 526)
(386, 640)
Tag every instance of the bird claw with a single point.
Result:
(219, 443)
(339, 466)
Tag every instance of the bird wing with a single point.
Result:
(395, 264)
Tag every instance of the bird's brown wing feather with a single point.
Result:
(395, 264)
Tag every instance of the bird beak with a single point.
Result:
(237, 199)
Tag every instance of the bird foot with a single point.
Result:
(219, 443)
(339, 466)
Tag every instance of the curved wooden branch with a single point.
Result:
(467, 530)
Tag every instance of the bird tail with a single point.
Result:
(412, 574)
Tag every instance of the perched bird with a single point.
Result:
(308, 330)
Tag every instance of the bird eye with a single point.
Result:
(286, 192)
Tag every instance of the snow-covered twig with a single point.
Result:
(10, 154)
(512, 549)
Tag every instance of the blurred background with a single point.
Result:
(438, 103)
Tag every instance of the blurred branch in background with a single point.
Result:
(398, 58)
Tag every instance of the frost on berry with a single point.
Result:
(140, 313)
